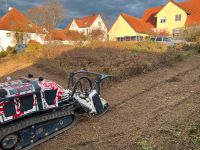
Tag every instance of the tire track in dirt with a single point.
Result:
(152, 87)
(108, 139)
(170, 107)
(137, 114)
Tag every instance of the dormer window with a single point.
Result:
(73, 25)
(99, 23)
(163, 20)
(8, 34)
(178, 17)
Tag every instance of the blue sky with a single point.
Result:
(110, 9)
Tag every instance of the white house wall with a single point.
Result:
(6, 41)
(96, 26)
(34, 36)
(74, 26)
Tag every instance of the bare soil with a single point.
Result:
(156, 110)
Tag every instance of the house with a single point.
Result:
(173, 18)
(88, 24)
(128, 28)
(16, 28)
(60, 37)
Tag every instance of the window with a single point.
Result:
(73, 25)
(50, 96)
(26, 103)
(159, 39)
(166, 39)
(9, 108)
(129, 38)
(178, 17)
(99, 23)
(133, 38)
(163, 20)
(8, 34)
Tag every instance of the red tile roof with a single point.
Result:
(14, 20)
(84, 22)
(180, 6)
(193, 6)
(69, 25)
(64, 35)
(190, 6)
(137, 24)
(149, 16)
(59, 35)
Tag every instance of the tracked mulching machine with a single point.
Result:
(33, 110)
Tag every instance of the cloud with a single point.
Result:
(110, 9)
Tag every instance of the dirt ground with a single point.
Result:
(150, 111)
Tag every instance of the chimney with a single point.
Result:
(10, 8)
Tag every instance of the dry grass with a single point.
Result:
(131, 46)
(122, 60)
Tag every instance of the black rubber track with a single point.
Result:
(50, 136)
(25, 123)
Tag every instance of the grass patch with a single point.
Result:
(194, 136)
(145, 144)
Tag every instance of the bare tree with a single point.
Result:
(47, 15)
(97, 34)
(77, 37)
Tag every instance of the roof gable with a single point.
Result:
(176, 4)
(84, 22)
(191, 7)
(14, 20)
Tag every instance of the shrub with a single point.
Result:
(180, 56)
(75, 36)
(11, 50)
(181, 46)
(96, 35)
(3, 54)
(119, 62)
(143, 46)
(192, 34)
(149, 46)
(160, 33)
(197, 47)
(32, 47)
